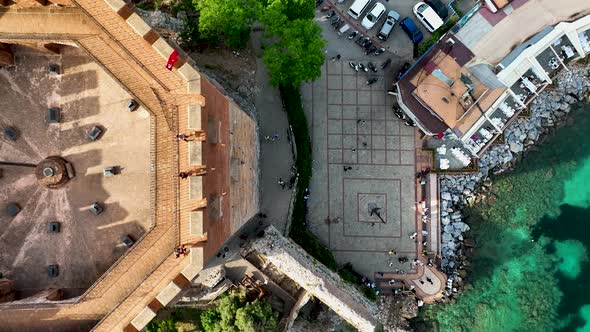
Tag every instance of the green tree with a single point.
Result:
(166, 325)
(231, 19)
(292, 9)
(296, 54)
(234, 313)
(256, 316)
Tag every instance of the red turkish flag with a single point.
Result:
(172, 60)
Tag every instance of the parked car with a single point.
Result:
(411, 30)
(373, 16)
(392, 18)
(439, 7)
(427, 16)
(357, 8)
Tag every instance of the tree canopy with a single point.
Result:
(296, 54)
(166, 325)
(234, 313)
(230, 18)
(292, 9)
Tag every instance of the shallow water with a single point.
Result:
(531, 270)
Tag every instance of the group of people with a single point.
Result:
(421, 176)
(192, 136)
(272, 138)
(180, 250)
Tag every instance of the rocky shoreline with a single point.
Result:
(548, 111)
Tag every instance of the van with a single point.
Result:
(357, 8)
(427, 16)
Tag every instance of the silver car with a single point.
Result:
(373, 16)
(392, 18)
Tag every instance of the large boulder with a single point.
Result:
(516, 147)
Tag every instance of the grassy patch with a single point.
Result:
(298, 231)
(177, 319)
(437, 35)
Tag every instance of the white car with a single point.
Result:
(427, 16)
(373, 16)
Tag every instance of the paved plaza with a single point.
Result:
(363, 189)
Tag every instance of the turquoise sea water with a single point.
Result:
(531, 271)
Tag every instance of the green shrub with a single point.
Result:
(298, 231)
(165, 325)
(437, 35)
(234, 313)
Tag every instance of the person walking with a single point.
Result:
(182, 137)
(281, 183)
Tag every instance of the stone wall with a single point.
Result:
(325, 285)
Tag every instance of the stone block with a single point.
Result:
(196, 259)
(188, 73)
(195, 153)
(196, 223)
(138, 24)
(168, 293)
(196, 187)
(115, 4)
(194, 117)
(143, 318)
(163, 48)
(194, 86)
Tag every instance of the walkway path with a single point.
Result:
(276, 156)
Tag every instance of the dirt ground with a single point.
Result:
(235, 71)
(87, 244)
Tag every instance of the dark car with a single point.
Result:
(411, 29)
(402, 71)
(439, 7)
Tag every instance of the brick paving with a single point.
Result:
(363, 157)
